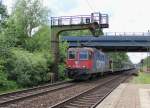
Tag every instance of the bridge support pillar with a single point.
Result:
(55, 52)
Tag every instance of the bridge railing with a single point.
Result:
(80, 19)
(127, 33)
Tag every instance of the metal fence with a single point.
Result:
(127, 33)
(80, 19)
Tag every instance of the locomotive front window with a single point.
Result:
(83, 55)
(71, 54)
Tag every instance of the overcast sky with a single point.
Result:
(124, 15)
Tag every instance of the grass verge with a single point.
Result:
(2, 91)
(142, 78)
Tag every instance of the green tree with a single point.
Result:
(27, 15)
(146, 62)
(76, 33)
(40, 40)
(119, 58)
(3, 16)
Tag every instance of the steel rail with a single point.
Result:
(12, 97)
(75, 103)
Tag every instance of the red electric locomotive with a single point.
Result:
(84, 62)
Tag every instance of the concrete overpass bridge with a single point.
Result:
(128, 42)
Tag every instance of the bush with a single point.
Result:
(61, 70)
(28, 69)
(63, 56)
(5, 84)
(63, 46)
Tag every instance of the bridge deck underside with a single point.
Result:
(111, 43)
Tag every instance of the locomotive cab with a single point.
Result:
(79, 62)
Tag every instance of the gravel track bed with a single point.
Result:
(129, 80)
(50, 99)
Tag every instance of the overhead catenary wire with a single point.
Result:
(89, 5)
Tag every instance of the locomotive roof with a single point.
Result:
(84, 48)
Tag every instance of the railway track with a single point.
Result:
(93, 96)
(12, 97)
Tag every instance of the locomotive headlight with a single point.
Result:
(84, 66)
